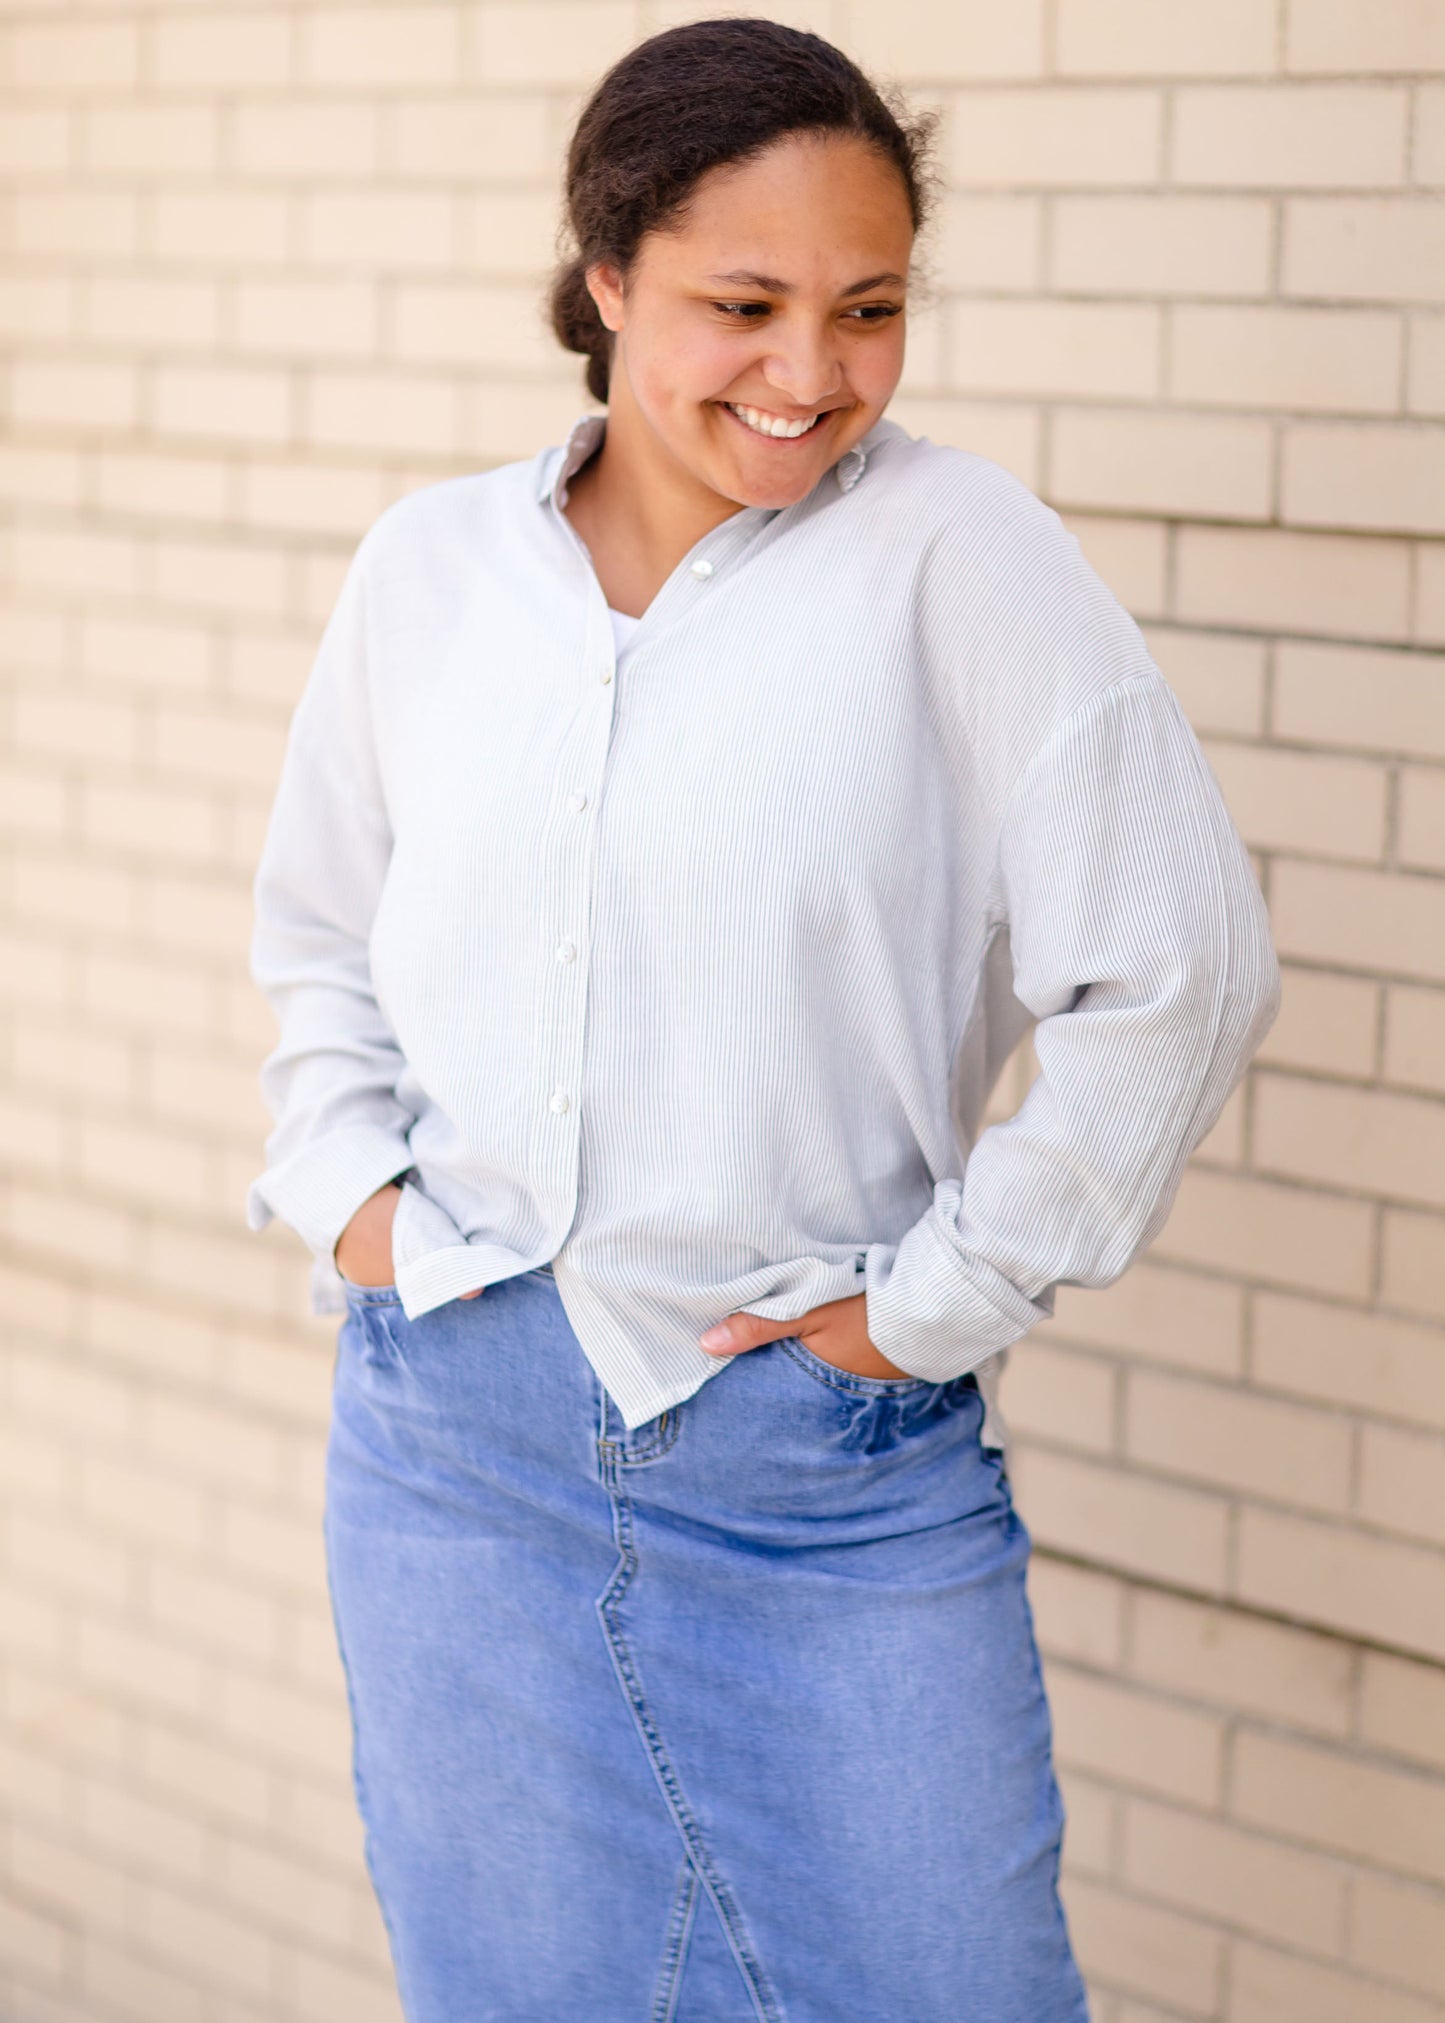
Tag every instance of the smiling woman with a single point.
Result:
(666, 959)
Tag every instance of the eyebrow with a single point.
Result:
(770, 284)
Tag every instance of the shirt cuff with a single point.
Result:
(318, 1189)
(937, 1309)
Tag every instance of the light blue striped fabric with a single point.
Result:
(693, 971)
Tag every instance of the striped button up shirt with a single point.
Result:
(689, 968)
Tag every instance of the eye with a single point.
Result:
(876, 312)
(742, 311)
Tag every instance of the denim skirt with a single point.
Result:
(735, 1717)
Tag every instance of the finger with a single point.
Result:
(744, 1331)
(470, 1295)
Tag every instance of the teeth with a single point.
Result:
(772, 425)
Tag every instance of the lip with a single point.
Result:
(780, 442)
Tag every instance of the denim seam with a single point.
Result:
(679, 1932)
(855, 1384)
(764, 2000)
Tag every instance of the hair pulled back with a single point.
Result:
(689, 100)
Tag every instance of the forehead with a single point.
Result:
(811, 200)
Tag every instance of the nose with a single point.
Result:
(802, 367)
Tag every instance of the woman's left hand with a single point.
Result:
(837, 1331)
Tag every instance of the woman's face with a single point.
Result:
(777, 303)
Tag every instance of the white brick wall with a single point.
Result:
(264, 268)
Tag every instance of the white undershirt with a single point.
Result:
(623, 627)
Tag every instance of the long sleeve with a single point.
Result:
(330, 1083)
(1140, 943)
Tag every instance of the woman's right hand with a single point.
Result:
(363, 1249)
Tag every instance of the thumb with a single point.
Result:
(743, 1331)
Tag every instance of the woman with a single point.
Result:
(677, 832)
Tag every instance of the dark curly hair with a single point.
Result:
(687, 101)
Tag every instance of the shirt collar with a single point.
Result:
(557, 465)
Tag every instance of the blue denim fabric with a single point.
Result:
(735, 1718)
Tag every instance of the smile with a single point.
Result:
(773, 425)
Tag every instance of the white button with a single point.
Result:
(560, 1101)
(702, 567)
(566, 951)
(577, 802)
(606, 675)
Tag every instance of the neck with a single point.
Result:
(639, 510)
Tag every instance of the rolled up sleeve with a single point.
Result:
(1140, 943)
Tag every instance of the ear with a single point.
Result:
(604, 285)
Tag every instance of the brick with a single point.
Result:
(1283, 1236)
(171, 655)
(381, 411)
(140, 1831)
(69, 1060)
(219, 576)
(1327, 360)
(1215, 1870)
(1379, 478)
(1115, 1730)
(35, 1939)
(470, 135)
(1402, 1708)
(1290, 136)
(323, 141)
(1422, 817)
(1429, 163)
(40, 476)
(75, 224)
(37, 306)
(1240, 1663)
(1303, 802)
(1133, 38)
(1294, 582)
(140, 1503)
(226, 51)
(380, 47)
(160, 487)
(202, 1773)
(1007, 435)
(1154, 245)
(310, 499)
(1415, 1038)
(105, 565)
(1429, 625)
(1412, 1247)
(1145, 1949)
(34, 141)
(1335, 695)
(289, 1895)
(159, 1169)
(550, 42)
(77, 895)
(507, 233)
(219, 227)
(146, 1333)
(308, 318)
(967, 42)
(1095, 349)
(1218, 677)
(227, 1619)
(1057, 1394)
(1131, 556)
(456, 324)
(1078, 1611)
(217, 745)
(1219, 1436)
(150, 140)
(1398, 1930)
(71, 57)
(73, 393)
(1338, 1578)
(1350, 35)
(1270, 1987)
(1402, 1482)
(149, 822)
(1055, 136)
(995, 240)
(34, 804)
(221, 1950)
(405, 229)
(1425, 391)
(1340, 1356)
(1138, 461)
(1330, 1799)
(326, 1989)
(1372, 1139)
(222, 402)
(1363, 249)
(1328, 1023)
(137, 1668)
(1120, 1520)
(152, 309)
(293, 1730)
